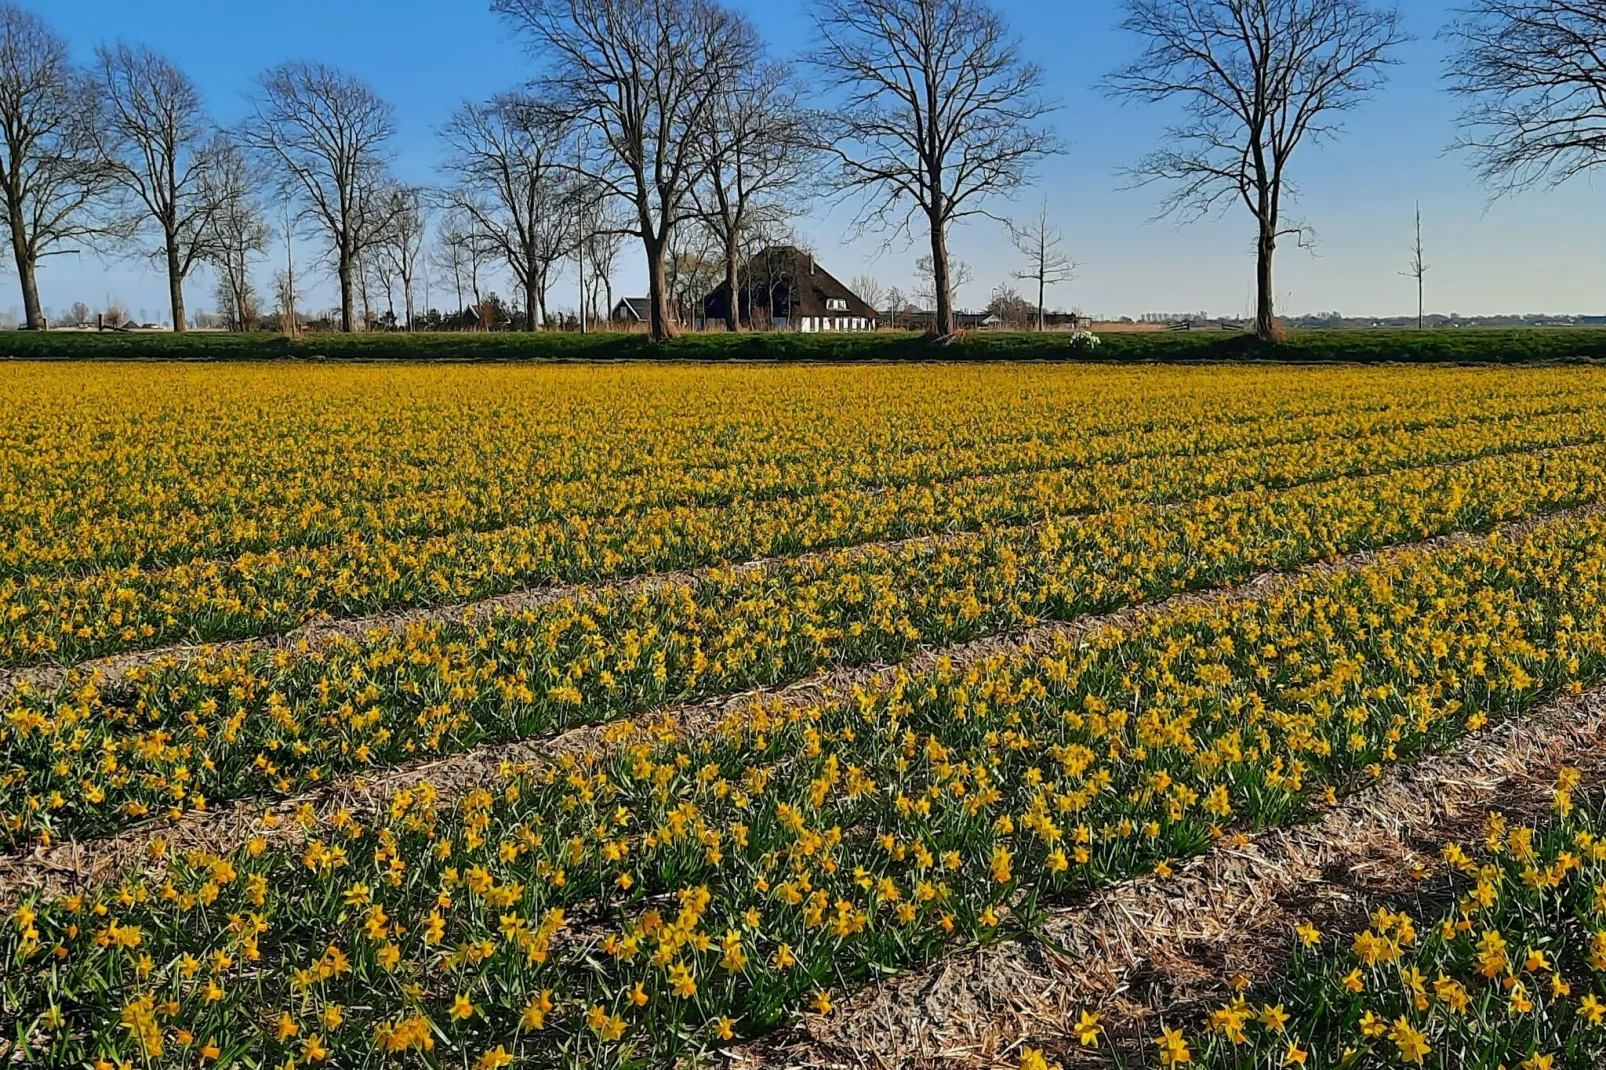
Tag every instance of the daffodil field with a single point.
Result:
(1503, 971)
(252, 506)
(672, 888)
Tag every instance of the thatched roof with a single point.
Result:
(784, 280)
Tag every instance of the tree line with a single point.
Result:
(660, 122)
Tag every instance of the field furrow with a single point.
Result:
(1159, 952)
(111, 481)
(57, 531)
(1278, 465)
(78, 866)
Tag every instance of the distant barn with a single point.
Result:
(630, 310)
(785, 287)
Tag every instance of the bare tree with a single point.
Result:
(286, 294)
(696, 262)
(235, 231)
(939, 114)
(51, 176)
(637, 80)
(1256, 79)
(461, 252)
(1533, 73)
(503, 157)
(238, 303)
(956, 276)
(324, 133)
(600, 235)
(1010, 307)
(449, 254)
(157, 143)
(1417, 269)
(602, 255)
(1041, 242)
(79, 313)
(896, 304)
(758, 144)
(378, 276)
(284, 282)
(401, 243)
(868, 290)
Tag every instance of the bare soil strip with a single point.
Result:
(1155, 951)
(70, 866)
(322, 632)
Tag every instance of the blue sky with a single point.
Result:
(1541, 251)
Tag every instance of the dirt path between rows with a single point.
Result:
(80, 865)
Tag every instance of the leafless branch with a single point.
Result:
(1042, 243)
(636, 80)
(504, 156)
(54, 182)
(154, 139)
(1532, 74)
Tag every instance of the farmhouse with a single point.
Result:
(783, 286)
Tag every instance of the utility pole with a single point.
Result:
(580, 272)
(1416, 269)
(580, 242)
(290, 276)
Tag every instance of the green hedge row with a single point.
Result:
(1435, 345)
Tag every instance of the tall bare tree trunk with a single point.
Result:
(32, 315)
(532, 301)
(733, 310)
(175, 284)
(32, 310)
(347, 295)
(944, 322)
(1041, 286)
(1265, 312)
(660, 321)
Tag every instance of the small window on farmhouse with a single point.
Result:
(836, 304)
